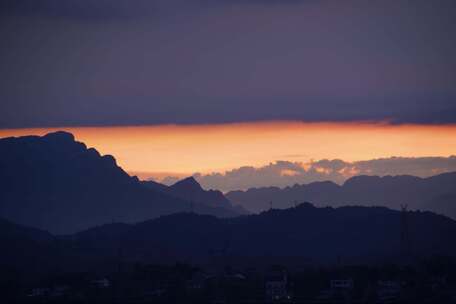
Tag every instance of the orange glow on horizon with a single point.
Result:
(186, 149)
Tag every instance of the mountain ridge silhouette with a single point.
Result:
(389, 191)
(55, 183)
(190, 190)
(307, 233)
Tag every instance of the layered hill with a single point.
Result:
(305, 232)
(25, 248)
(436, 193)
(56, 183)
(316, 234)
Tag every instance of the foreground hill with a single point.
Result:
(57, 184)
(304, 232)
(436, 193)
(301, 235)
(26, 249)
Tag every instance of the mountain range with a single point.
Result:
(98, 216)
(58, 184)
(304, 233)
(436, 193)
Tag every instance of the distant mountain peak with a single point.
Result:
(188, 183)
(189, 189)
(60, 136)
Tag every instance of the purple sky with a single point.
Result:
(119, 62)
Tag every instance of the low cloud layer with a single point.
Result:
(285, 173)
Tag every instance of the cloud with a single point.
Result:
(285, 173)
(86, 10)
(123, 62)
(170, 180)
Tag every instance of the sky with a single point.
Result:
(184, 76)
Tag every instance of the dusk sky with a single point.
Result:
(213, 86)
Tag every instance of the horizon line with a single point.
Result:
(381, 122)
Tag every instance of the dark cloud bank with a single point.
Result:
(285, 173)
(119, 62)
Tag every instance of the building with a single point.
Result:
(276, 287)
(344, 284)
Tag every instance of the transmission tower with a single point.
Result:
(406, 248)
